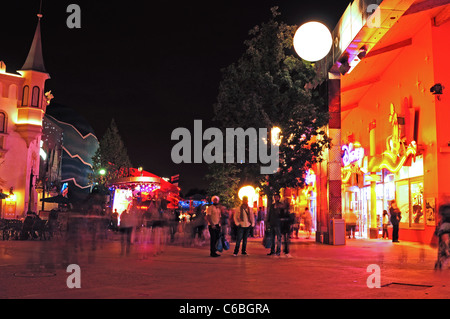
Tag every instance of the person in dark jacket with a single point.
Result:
(276, 210)
(285, 226)
(395, 220)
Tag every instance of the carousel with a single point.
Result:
(135, 192)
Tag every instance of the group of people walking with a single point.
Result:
(277, 225)
(151, 227)
(392, 217)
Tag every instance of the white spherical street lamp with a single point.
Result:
(312, 41)
(250, 192)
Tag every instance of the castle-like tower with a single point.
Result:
(23, 103)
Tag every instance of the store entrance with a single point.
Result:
(363, 213)
(356, 200)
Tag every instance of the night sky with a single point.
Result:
(151, 66)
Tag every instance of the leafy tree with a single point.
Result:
(224, 182)
(111, 156)
(269, 86)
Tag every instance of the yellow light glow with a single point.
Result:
(11, 198)
(250, 192)
(410, 151)
(275, 135)
(29, 122)
(122, 200)
(346, 176)
(312, 41)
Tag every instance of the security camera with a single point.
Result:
(437, 89)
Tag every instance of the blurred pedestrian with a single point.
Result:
(126, 228)
(213, 215)
(145, 234)
(350, 221)
(225, 222)
(27, 227)
(307, 221)
(199, 225)
(52, 222)
(385, 234)
(260, 217)
(158, 231)
(244, 220)
(115, 221)
(254, 212)
(395, 213)
(443, 234)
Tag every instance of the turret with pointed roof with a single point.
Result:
(35, 60)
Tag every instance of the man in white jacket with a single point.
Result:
(244, 219)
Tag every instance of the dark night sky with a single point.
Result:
(151, 66)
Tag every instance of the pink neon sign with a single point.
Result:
(352, 154)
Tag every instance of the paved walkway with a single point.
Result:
(37, 269)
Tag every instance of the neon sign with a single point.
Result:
(352, 160)
(352, 153)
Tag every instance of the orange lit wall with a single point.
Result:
(403, 77)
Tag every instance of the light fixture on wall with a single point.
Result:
(362, 52)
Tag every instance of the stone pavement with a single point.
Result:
(37, 270)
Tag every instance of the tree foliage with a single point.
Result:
(224, 182)
(111, 155)
(269, 86)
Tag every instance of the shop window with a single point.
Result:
(409, 197)
(25, 95)
(417, 203)
(35, 97)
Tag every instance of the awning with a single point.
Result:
(56, 199)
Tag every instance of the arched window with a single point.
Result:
(25, 95)
(35, 97)
(3, 122)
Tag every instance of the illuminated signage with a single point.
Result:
(352, 153)
(352, 160)
(310, 177)
(397, 151)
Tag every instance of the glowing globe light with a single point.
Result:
(312, 41)
(250, 192)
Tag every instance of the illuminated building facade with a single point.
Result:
(392, 66)
(23, 103)
(76, 149)
(50, 161)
